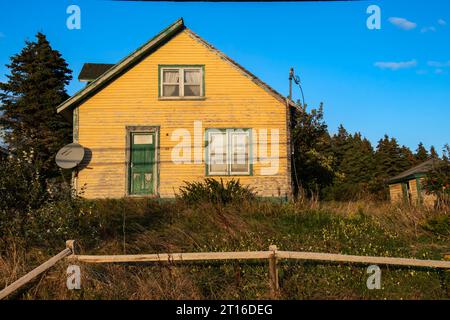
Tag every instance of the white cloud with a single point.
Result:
(402, 23)
(428, 29)
(438, 64)
(442, 22)
(396, 65)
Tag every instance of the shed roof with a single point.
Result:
(146, 49)
(420, 169)
(92, 71)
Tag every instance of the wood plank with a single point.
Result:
(169, 257)
(34, 273)
(362, 259)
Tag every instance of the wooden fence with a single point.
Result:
(273, 255)
(37, 271)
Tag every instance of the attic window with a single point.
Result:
(181, 81)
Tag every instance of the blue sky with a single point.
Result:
(393, 81)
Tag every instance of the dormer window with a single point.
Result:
(181, 81)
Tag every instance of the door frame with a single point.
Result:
(141, 129)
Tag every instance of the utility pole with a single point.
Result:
(291, 76)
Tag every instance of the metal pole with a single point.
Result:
(291, 76)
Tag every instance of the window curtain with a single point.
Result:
(192, 77)
(171, 76)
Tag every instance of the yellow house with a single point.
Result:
(407, 186)
(176, 110)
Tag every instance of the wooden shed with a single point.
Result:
(407, 186)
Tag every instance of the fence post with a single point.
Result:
(37, 271)
(273, 271)
(70, 244)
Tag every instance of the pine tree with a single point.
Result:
(340, 144)
(313, 167)
(35, 87)
(421, 153)
(355, 170)
(433, 153)
(390, 160)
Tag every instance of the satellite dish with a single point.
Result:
(69, 156)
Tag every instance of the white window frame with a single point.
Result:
(181, 83)
(229, 151)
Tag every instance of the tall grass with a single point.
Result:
(149, 226)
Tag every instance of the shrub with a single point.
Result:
(38, 210)
(439, 225)
(437, 181)
(213, 191)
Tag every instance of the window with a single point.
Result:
(184, 82)
(228, 152)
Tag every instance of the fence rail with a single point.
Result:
(255, 255)
(273, 255)
(37, 271)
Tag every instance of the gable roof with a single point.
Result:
(92, 71)
(144, 51)
(420, 169)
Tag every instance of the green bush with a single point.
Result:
(38, 210)
(213, 191)
(439, 225)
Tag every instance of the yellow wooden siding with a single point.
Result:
(232, 100)
(396, 192)
(414, 195)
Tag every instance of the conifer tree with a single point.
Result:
(433, 153)
(355, 170)
(28, 101)
(313, 167)
(340, 144)
(421, 153)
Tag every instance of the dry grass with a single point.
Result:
(358, 227)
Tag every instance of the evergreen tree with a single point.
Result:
(340, 144)
(433, 153)
(355, 170)
(313, 164)
(421, 153)
(407, 158)
(35, 87)
(390, 160)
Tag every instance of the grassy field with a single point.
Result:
(150, 226)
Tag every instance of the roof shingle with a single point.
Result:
(92, 71)
(422, 168)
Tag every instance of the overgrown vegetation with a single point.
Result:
(214, 191)
(130, 226)
(437, 181)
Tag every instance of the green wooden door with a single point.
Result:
(142, 164)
